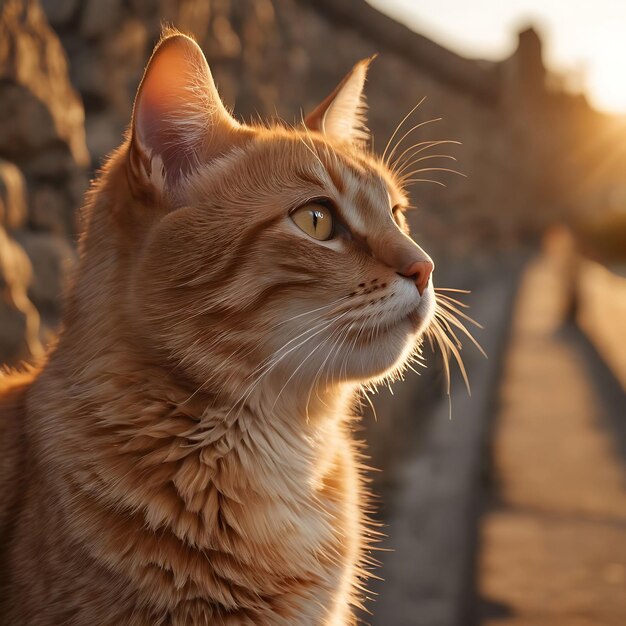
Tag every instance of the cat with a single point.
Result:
(185, 454)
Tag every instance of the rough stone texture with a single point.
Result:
(43, 174)
(52, 257)
(42, 129)
(13, 209)
(19, 319)
(33, 58)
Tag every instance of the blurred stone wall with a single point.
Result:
(43, 174)
(272, 57)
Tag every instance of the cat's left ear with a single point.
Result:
(179, 121)
(341, 116)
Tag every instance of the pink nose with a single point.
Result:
(420, 272)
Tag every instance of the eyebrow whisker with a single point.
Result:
(408, 132)
(399, 126)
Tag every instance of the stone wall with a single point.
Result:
(43, 174)
(19, 319)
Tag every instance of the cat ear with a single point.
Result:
(178, 119)
(341, 116)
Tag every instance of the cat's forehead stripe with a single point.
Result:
(335, 177)
(364, 201)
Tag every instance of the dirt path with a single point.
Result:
(553, 546)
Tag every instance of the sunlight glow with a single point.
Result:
(583, 41)
(606, 72)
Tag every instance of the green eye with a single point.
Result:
(315, 220)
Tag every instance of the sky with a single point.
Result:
(583, 39)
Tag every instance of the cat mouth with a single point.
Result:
(415, 320)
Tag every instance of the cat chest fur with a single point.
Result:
(212, 516)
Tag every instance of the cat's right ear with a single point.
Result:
(179, 120)
(341, 116)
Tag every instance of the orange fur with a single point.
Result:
(185, 454)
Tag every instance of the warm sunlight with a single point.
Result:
(606, 70)
(586, 46)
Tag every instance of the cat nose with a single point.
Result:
(420, 272)
(400, 253)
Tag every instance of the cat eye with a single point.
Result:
(315, 219)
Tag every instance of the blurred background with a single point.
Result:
(504, 508)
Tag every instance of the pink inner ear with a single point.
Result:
(176, 106)
(167, 105)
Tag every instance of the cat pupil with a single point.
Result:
(316, 214)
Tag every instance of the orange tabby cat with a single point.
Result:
(184, 456)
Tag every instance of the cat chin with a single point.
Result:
(391, 349)
(358, 361)
(377, 356)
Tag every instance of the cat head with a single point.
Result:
(269, 255)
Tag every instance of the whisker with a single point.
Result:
(457, 356)
(422, 180)
(408, 132)
(455, 322)
(276, 361)
(321, 308)
(438, 335)
(302, 362)
(319, 345)
(421, 147)
(434, 169)
(466, 291)
(448, 328)
(424, 158)
(352, 347)
(267, 364)
(341, 339)
(453, 309)
(336, 333)
(399, 126)
(441, 297)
